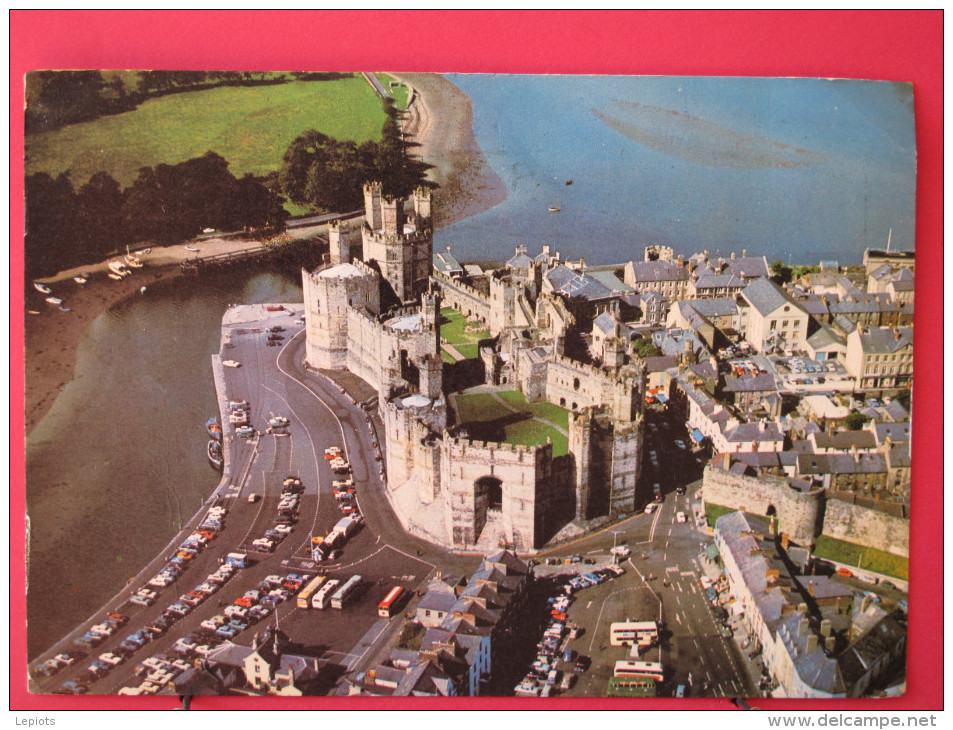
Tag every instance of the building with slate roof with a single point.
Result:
(819, 639)
(456, 655)
(880, 357)
(774, 319)
(263, 668)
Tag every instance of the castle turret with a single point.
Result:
(339, 241)
(402, 249)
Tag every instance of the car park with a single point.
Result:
(72, 688)
(48, 668)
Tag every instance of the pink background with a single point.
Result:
(891, 45)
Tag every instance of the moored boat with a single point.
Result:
(214, 451)
(54, 300)
(118, 267)
(193, 249)
(554, 209)
(42, 288)
(81, 278)
(214, 428)
(65, 309)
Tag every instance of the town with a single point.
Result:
(679, 476)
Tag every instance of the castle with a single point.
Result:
(378, 316)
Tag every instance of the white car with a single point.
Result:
(680, 517)
(650, 507)
(622, 550)
(231, 363)
(283, 529)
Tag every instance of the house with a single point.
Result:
(880, 357)
(774, 319)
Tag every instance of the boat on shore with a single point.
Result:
(118, 268)
(42, 288)
(65, 309)
(193, 249)
(214, 452)
(54, 300)
(214, 428)
(81, 278)
(554, 209)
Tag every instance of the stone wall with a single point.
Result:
(868, 527)
(798, 513)
(467, 300)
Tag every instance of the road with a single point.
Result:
(275, 382)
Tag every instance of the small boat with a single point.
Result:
(214, 451)
(213, 428)
(54, 300)
(569, 182)
(115, 277)
(65, 309)
(275, 308)
(81, 279)
(42, 288)
(31, 311)
(554, 209)
(142, 290)
(119, 268)
(133, 261)
(194, 249)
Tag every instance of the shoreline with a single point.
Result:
(439, 123)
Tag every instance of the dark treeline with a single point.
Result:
(326, 174)
(166, 204)
(58, 98)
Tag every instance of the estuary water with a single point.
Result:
(795, 169)
(118, 464)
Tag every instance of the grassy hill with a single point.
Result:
(251, 127)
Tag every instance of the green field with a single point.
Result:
(251, 127)
(714, 511)
(864, 558)
(489, 420)
(400, 93)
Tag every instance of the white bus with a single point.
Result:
(304, 597)
(627, 633)
(651, 670)
(345, 592)
(323, 597)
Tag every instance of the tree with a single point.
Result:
(99, 217)
(782, 272)
(49, 224)
(855, 421)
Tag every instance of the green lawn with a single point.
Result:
(547, 411)
(251, 127)
(714, 511)
(489, 420)
(862, 557)
(453, 329)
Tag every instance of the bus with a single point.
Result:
(627, 633)
(393, 598)
(632, 687)
(323, 597)
(304, 597)
(652, 670)
(345, 592)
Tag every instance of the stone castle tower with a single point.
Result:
(401, 246)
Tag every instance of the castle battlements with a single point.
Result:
(444, 280)
(472, 447)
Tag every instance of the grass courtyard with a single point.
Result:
(511, 421)
(251, 127)
(864, 558)
(453, 329)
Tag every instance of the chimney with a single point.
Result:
(802, 627)
(732, 255)
(744, 253)
(810, 588)
(371, 676)
(896, 334)
(811, 643)
(546, 249)
(681, 261)
(826, 628)
(802, 609)
(785, 540)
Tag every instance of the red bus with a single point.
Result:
(387, 607)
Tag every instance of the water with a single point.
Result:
(799, 169)
(118, 464)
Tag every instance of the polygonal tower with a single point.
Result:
(402, 246)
